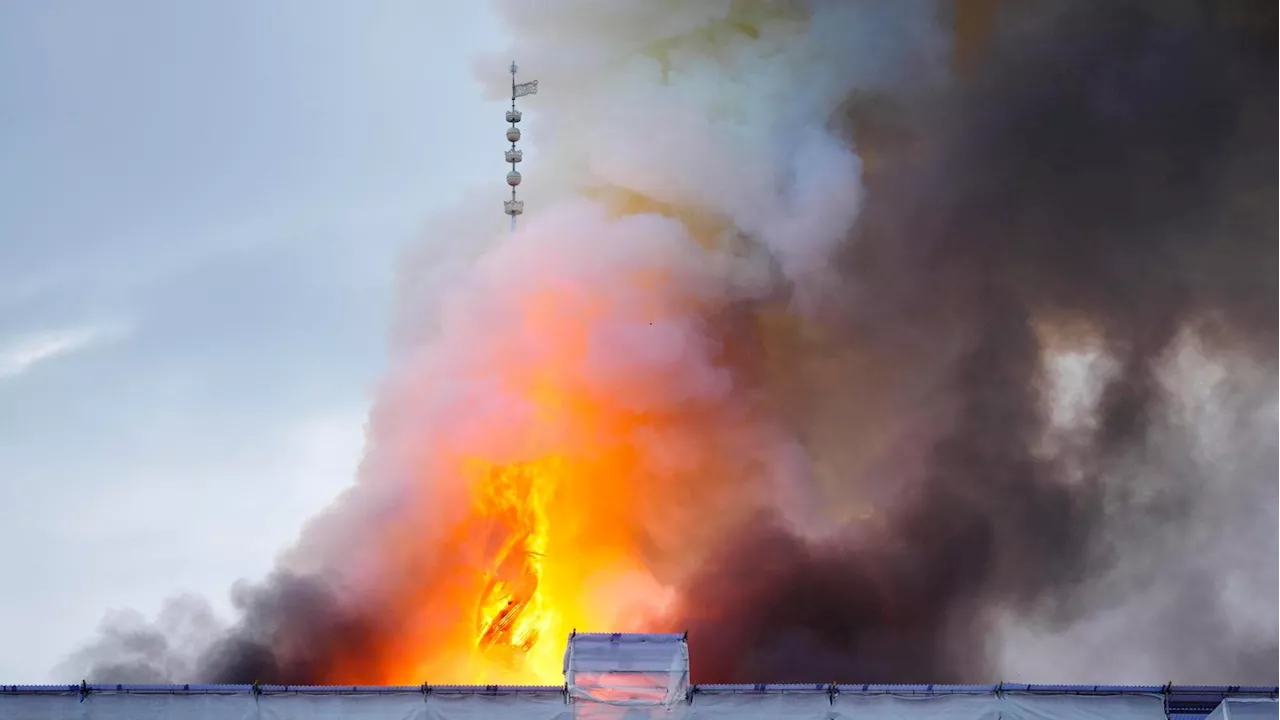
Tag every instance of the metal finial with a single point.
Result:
(514, 207)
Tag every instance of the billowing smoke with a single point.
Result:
(1099, 186)
(871, 342)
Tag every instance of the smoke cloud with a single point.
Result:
(873, 342)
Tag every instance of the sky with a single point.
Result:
(201, 209)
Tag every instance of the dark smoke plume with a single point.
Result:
(1099, 179)
(1107, 166)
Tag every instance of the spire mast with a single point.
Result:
(514, 207)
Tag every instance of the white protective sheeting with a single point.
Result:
(497, 707)
(551, 705)
(118, 706)
(820, 706)
(759, 706)
(942, 707)
(245, 706)
(1245, 709)
(627, 669)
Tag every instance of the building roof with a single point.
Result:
(635, 676)
(1180, 702)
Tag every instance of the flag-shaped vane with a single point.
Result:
(529, 88)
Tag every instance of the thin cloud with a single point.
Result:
(24, 353)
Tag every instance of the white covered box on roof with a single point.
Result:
(632, 669)
(1245, 709)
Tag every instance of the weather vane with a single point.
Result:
(514, 207)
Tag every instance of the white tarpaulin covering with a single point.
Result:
(1245, 709)
(552, 705)
(247, 706)
(631, 669)
(1007, 706)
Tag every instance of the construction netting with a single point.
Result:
(553, 704)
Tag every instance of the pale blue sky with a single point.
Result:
(201, 205)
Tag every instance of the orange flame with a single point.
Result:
(551, 564)
(509, 614)
(498, 565)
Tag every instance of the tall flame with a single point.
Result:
(510, 615)
(541, 527)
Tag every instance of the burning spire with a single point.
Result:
(514, 207)
(598, 420)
